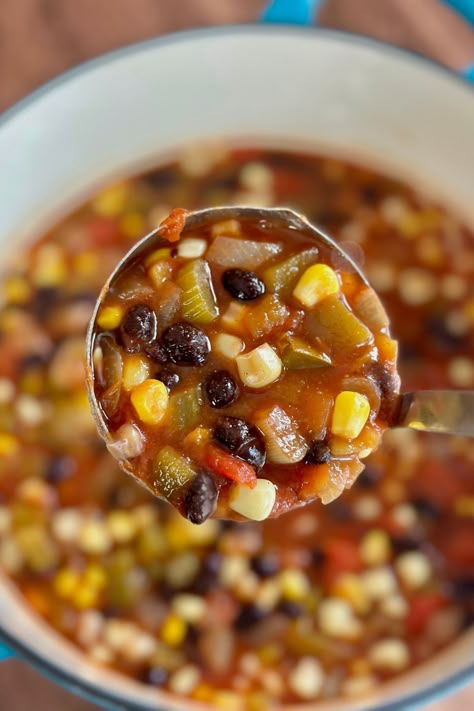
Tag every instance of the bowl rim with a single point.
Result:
(86, 689)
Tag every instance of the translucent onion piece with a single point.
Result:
(284, 444)
(230, 252)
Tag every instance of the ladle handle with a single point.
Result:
(442, 411)
(5, 652)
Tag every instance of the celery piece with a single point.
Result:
(332, 321)
(199, 300)
(184, 408)
(281, 278)
(172, 471)
(297, 354)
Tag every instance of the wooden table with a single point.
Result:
(38, 40)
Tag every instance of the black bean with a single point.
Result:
(138, 327)
(241, 439)
(186, 344)
(441, 337)
(339, 511)
(156, 351)
(368, 478)
(169, 377)
(318, 453)
(44, 301)
(291, 609)
(59, 469)
(249, 616)
(155, 676)
(265, 565)
(201, 498)
(243, 285)
(405, 544)
(221, 389)
(463, 587)
(212, 563)
(318, 557)
(425, 507)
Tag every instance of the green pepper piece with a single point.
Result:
(332, 321)
(199, 300)
(172, 472)
(297, 354)
(282, 278)
(183, 408)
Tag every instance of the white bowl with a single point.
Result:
(277, 85)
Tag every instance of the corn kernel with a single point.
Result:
(86, 263)
(66, 582)
(8, 444)
(95, 576)
(294, 584)
(351, 411)
(150, 400)
(173, 630)
(349, 587)
(192, 247)
(157, 256)
(227, 228)
(133, 224)
(109, 317)
(17, 290)
(227, 345)
(389, 654)
(375, 547)
(259, 367)
(414, 569)
(85, 597)
(111, 202)
(336, 619)
(255, 504)
(121, 526)
(234, 317)
(464, 506)
(136, 369)
(50, 267)
(315, 284)
(159, 273)
(227, 701)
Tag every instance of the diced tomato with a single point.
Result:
(341, 556)
(172, 226)
(421, 609)
(102, 232)
(230, 467)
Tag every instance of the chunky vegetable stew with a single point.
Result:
(326, 602)
(201, 369)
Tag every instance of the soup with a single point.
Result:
(327, 602)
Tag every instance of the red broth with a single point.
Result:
(328, 601)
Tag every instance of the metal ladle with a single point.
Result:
(441, 411)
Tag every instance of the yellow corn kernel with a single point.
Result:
(133, 225)
(50, 267)
(159, 272)
(294, 584)
(17, 290)
(111, 201)
(203, 692)
(464, 506)
(351, 411)
(95, 576)
(8, 444)
(86, 263)
(136, 369)
(173, 630)
(85, 597)
(349, 587)
(315, 284)
(66, 582)
(197, 437)
(157, 256)
(150, 400)
(109, 317)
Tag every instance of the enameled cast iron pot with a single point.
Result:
(277, 85)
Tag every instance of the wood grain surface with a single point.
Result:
(38, 40)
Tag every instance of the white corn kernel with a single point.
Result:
(233, 317)
(306, 678)
(414, 569)
(389, 654)
(259, 367)
(255, 504)
(227, 345)
(190, 608)
(379, 582)
(375, 547)
(394, 606)
(184, 680)
(192, 247)
(336, 619)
